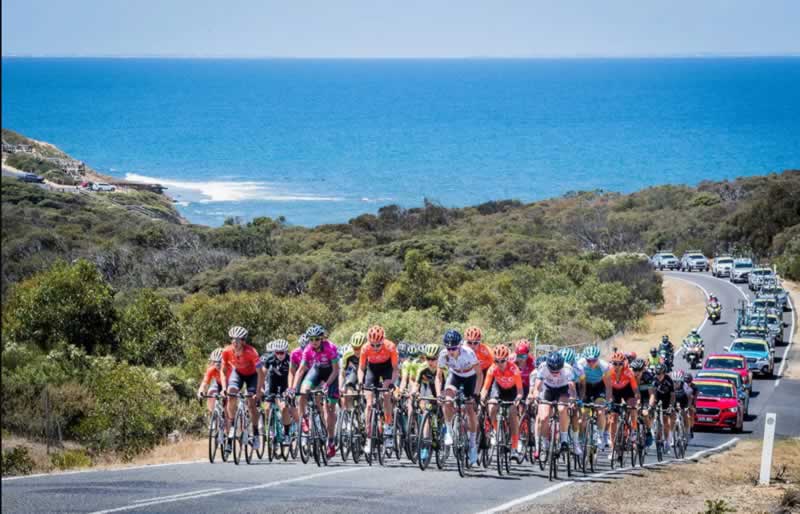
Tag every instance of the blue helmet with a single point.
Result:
(315, 331)
(452, 338)
(555, 361)
(569, 355)
(402, 349)
(303, 341)
(592, 352)
(540, 359)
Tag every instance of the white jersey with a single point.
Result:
(462, 365)
(555, 380)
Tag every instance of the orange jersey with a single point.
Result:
(387, 352)
(623, 378)
(212, 373)
(505, 378)
(484, 355)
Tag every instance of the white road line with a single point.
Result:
(229, 491)
(556, 487)
(107, 470)
(178, 495)
(785, 358)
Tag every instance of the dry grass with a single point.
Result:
(189, 449)
(730, 476)
(683, 310)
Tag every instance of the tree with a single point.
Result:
(418, 286)
(148, 332)
(70, 303)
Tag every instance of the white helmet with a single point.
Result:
(216, 355)
(279, 345)
(237, 332)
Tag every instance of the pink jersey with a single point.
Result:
(296, 357)
(324, 358)
(526, 367)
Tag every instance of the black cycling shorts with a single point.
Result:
(682, 400)
(277, 384)
(377, 373)
(595, 391)
(503, 394)
(466, 383)
(317, 376)
(623, 394)
(554, 394)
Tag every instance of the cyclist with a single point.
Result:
(378, 368)
(624, 388)
(464, 373)
(424, 384)
(276, 362)
(684, 395)
(242, 366)
(569, 358)
(348, 374)
(596, 388)
(692, 402)
(525, 363)
(663, 390)
(644, 379)
(473, 337)
(321, 361)
(212, 382)
(667, 348)
(295, 358)
(553, 384)
(408, 369)
(505, 381)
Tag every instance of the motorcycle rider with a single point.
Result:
(653, 360)
(667, 350)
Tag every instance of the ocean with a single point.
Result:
(323, 141)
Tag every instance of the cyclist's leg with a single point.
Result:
(330, 409)
(234, 383)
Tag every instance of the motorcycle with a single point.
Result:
(665, 357)
(693, 356)
(714, 311)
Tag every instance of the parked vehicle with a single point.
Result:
(102, 186)
(734, 378)
(694, 260)
(757, 277)
(760, 357)
(718, 405)
(722, 266)
(31, 177)
(665, 260)
(741, 270)
(733, 362)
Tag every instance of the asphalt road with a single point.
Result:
(401, 487)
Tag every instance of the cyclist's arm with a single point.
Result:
(334, 373)
(262, 378)
(518, 383)
(439, 379)
(537, 384)
(299, 373)
(487, 383)
(223, 376)
(607, 382)
(479, 380)
(571, 390)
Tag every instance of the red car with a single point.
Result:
(733, 362)
(718, 405)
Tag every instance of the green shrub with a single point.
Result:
(60, 177)
(70, 459)
(717, 507)
(148, 331)
(17, 461)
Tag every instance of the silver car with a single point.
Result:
(665, 260)
(694, 260)
(722, 266)
(759, 276)
(741, 270)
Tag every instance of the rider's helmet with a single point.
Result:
(268, 347)
(637, 365)
(694, 332)
(302, 341)
(630, 356)
(315, 331)
(592, 352)
(358, 339)
(216, 355)
(660, 368)
(523, 347)
(654, 351)
(501, 352)
(540, 359)
(473, 334)
(677, 375)
(237, 332)
(569, 355)
(402, 349)
(555, 361)
(279, 345)
(665, 338)
(452, 338)
(376, 334)
(431, 350)
(688, 378)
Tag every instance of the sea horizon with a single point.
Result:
(325, 140)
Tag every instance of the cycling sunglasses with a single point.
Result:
(617, 363)
(280, 353)
(473, 342)
(453, 349)
(500, 361)
(522, 356)
(376, 345)
(315, 339)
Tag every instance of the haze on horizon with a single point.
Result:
(389, 29)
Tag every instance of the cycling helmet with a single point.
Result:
(376, 334)
(216, 355)
(431, 350)
(630, 356)
(346, 349)
(654, 351)
(660, 368)
(694, 332)
(237, 332)
(402, 349)
(473, 334)
(555, 361)
(540, 359)
(523, 347)
(592, 352)
(618, 357)
(358, 339)
(279, 345)
(501, 351)
(268, 347)
(665, 338)
(677, 375)
(569, 355)
(413, 351)
(315, 331)
(451, 338)
(688, 378)
(637, 365)
(302, 341)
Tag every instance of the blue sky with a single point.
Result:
(399, 28)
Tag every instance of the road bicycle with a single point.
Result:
(431, 434)
(242, 427)
(375, 424)
(217, 436)
(458, 426)
(679, 436)
(277, 442)
(502, 446)
(316, 438)
(625, 436)
(658, 430)
(399, 426)
(554, 453)
(590, 436)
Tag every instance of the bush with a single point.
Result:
(60, 177)
(69, 459)
(17, 461)
(148, 331)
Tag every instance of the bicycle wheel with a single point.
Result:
(411, 437)
(458, 448)
(425, 442)
(441, 451)
(676, 439)
(633, 441)
(344, 434)
(641, 442)
(269, 435)
(213, 437)
(238, 437)
(356, 436)
(248, 438)
(398, 432)
(378, 439)
(500, 447)
(552, 451)
(586, 446)
(294, 441)
(659, 434)
(304, 440)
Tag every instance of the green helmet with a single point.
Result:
(431, 350)
(413, 351)
(358, 339)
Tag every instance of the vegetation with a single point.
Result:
(17, 461)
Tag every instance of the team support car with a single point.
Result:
(758, 276)
(773, 323)
(741, 270)
(665, 260)
(694, 260)
(722, 266)
(773, 290)
(764, 303)
(733, 362)
(734, 378)
(760, 357)
(755, 332)
(718, 405)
